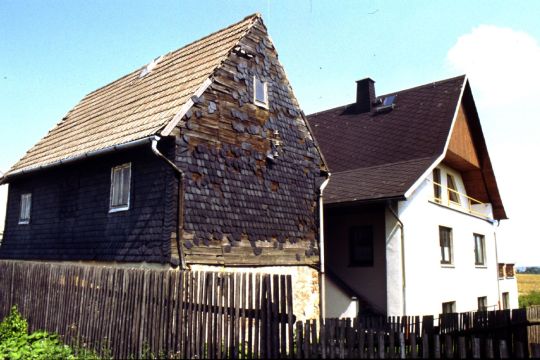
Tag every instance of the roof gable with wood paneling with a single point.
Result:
(135, 106)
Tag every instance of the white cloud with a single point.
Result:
(503, 66)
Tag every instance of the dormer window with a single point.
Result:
(260, 92)
(453, 194)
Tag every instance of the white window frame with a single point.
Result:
(483, 249)
(450, 262)
(25, 210)
(119, 207)
(256, 101)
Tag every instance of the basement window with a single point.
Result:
(260, 92)
(120, 187)
(449, 307)
(26, 207)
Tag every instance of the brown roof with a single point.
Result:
(135, 107)
(418, 127)
(380, 156)
(375, 182)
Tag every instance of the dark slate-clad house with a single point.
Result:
(411, 202)
(202, 157)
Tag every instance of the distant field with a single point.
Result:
(528, 283)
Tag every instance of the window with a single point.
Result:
(482, 303)
(361, 246)
(26, 207)
(449, 307)
(453, 195)
(437, 184)
(509, 270)
(479, 250)
(506, 300)
(445, 239)
(260, 92)
(120, 186)
(501, 271)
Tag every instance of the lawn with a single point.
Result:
(528, 283)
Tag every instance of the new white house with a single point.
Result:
(412, 205)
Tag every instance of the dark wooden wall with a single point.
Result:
(241, 208)
(70, 217)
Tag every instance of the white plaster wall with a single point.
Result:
(338, 304)
(394, 273)
(428, 283)
(509, 285)
(3, 204)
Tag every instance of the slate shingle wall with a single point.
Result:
(70, 217)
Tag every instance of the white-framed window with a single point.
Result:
(445, 241)
(26, 208)
(260, 92)
(482, 303)
(120, 187)
(479, 249)
(449, 307)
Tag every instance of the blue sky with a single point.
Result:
(55, 52)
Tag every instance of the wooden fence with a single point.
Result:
(137, 312)
(379, 338)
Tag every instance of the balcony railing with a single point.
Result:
(471, 206)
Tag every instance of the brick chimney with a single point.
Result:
(365, 95)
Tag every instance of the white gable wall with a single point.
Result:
(428, 283)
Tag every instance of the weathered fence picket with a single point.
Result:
(139, 312)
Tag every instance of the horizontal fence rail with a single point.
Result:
(142, 312)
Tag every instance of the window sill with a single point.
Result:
(24, 222)
(119, 209)
(480, 266)
(262, 105)
(448, 266)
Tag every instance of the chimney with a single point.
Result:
(365, 95)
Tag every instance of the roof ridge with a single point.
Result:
(438, 82)
(252, 17)
(386, 164)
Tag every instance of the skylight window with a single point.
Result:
(148, 68)
(389, 100)
(386, 104)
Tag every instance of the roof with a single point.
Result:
(134, 107)
(375, 156)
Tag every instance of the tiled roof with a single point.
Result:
(135, 107)
(374, 156)
(375, 182)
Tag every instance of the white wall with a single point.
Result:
(337, 303)
(509, 285)
(3, 203)
(428, 283)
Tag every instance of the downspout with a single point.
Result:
(321, 244)
(497, 267)
(404, 292)
(180, 219)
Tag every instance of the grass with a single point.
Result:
(528, 289)
(528, 283)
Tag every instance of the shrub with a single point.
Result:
(16, 343)
(532, 298)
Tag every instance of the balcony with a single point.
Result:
(460, 201)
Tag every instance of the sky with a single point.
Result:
(55, 52)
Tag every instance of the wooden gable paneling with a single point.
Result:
(461, 152)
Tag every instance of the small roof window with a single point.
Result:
(146, 70)
(389, 100)
(386, 104)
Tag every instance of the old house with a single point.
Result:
(201, 159)
(412, 204)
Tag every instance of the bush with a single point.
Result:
(532, 298)
(16, 343)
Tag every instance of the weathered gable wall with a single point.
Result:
(242, 208)
(70, 217)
